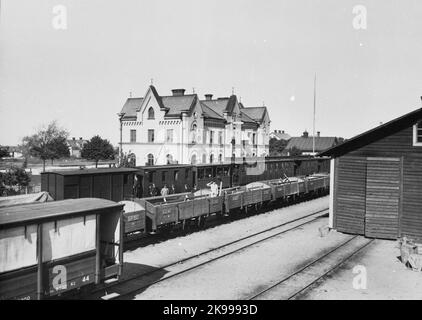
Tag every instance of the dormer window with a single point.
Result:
(417, 134)
(151, 113)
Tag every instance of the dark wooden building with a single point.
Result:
(376, 181)
(113, 184)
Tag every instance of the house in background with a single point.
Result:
(376, 181)
(75, 146)
(280, 135)
(304, 145)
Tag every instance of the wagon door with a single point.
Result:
(350, 195)
(382, 197)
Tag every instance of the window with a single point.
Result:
(211, 158)
(417, 134)
(163, 176)
(193, 133)
(220, 158)
(132, 135)
(254, 139)
(151, 113)
(204, 158)
(220, 137)
(151, 177)
(150, 159)
(169, 137)
(150, 135)
(193, 159)
(176, 175)
(211, 137)
(187, 174)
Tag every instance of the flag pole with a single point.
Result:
(313, 134)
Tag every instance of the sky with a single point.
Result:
(269, 51)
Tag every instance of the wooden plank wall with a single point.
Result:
(411, 218)
(350, 202)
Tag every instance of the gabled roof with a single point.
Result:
(306, 143)
(281, 135)
(131, 106)
(218, 105)
(245, 118)
(256, 113)
(178, 104)
(210, 113)
(375, 134)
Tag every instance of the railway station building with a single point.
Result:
(184, 129)
(376, 181)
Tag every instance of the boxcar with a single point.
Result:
(113, 184)
(134, 218)
(50, 248)
(172, 175)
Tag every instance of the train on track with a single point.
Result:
(106, 207)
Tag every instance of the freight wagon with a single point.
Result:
(47, 249)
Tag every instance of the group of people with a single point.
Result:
(165, 191)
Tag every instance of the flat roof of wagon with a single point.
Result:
(91, 171)
(53, 210)
(164, 166)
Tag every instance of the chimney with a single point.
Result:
(305, 134)
(73, 138)
(208, 96)
(80, 138)
(318, 134)
(282, 131)
(178, 92)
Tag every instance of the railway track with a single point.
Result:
(137, 282)
(291, 286)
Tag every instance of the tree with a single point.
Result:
(98, 149)
(4, 152)
(58, 148)
(45, 143)
(13, 178)
(277, 146)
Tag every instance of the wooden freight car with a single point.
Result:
(376, 181)
(113, 184)
(50, 248)
(172, 175)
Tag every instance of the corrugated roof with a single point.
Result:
(306, 144)
(52, 210)
(375, 134)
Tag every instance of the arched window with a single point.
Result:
(151, 113)
(220, 158)
(204, 158)
(193, 159)
(193, 133)
(150, 159)
(169, 159)
(211, 158)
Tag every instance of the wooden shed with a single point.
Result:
(113, 184)
(376, 181)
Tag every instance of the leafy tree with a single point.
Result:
(98, 149)
(277, 146)
(44, 144)
(4, 152)
(58, 148)
(13, 178)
